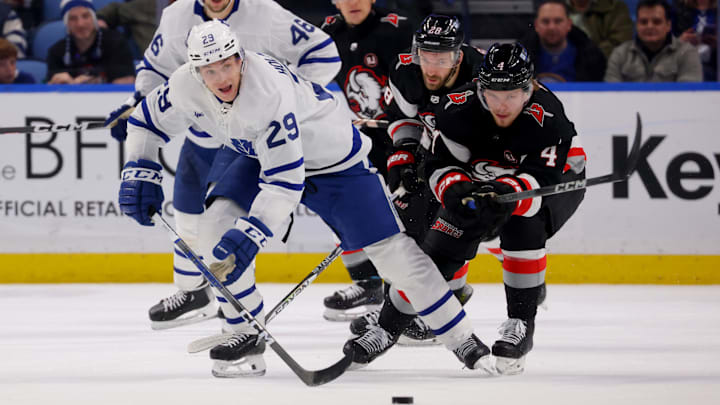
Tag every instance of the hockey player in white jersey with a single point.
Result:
(261, 25)
(294, 145)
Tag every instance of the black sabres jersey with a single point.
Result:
(541, 145)
(408, 98)
(367, 51)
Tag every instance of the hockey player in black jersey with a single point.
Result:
(437, 61)
(368, 40)
(507, 133)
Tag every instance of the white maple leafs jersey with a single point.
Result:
(293, 127)
(260, 25)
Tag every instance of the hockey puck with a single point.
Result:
(402, 400)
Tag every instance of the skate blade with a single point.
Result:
(406, 341)
(345, 315)
(249, 366)
(356, 366)
(509, 366)
(189, 318)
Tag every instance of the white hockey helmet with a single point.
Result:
(210, 42)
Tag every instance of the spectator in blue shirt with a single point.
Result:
(562, 53)
(8, 65)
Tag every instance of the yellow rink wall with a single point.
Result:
(291, 268)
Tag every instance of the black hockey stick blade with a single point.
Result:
(39, 129)
(309, 377)
(574, 185)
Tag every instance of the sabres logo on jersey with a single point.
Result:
(364, 91)
(393, 19)
(458, 98)
(404, 59)
(538, 112)
(487, 170)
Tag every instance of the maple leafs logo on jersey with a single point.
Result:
(244, 147)
(458, 98)
(538, 112)
(393, 19)
(488, 170)
(364, 91)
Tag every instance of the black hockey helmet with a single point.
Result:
(506, 67)
(439, 33)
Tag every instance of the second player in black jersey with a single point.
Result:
(506, 134)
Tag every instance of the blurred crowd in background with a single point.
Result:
(100, 41)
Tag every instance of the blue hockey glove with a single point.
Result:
(244, 241)
(117, 120)
(141, 190)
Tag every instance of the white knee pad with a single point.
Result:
(218, 219)
(400, 259)
(185, 275)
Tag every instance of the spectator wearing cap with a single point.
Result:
(11, 28)
(606, 22)
(88, 54)
(562, 52)
(655, 55)
(8, 68)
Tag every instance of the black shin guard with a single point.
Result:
(365, 275)
(392, 320)
(522, 302)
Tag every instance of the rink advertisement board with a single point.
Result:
(58, 191)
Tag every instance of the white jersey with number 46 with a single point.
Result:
(260, 25)
(293, 127)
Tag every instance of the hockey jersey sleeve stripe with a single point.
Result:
(146, 65)
(576, 160)
(459, 317)
(284, 184)
(254, 312)
(409, 109)
(199, 134)
(305, 59)
(403, 129)
(284, 168)
(356, 146)
(149, 122)
(524, 266)
(181, 254)
(429, 310)
(138, 123)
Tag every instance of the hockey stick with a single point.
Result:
(309, 377)
(41, 129)
(208, 342)
(366, 122)
(574, 185)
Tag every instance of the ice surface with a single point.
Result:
(92, 344)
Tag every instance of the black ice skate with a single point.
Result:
(475, 354)
(418, 333)
(240, 356)
(183, 308)
(512, 347)
(368, 346)
(352, 302)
